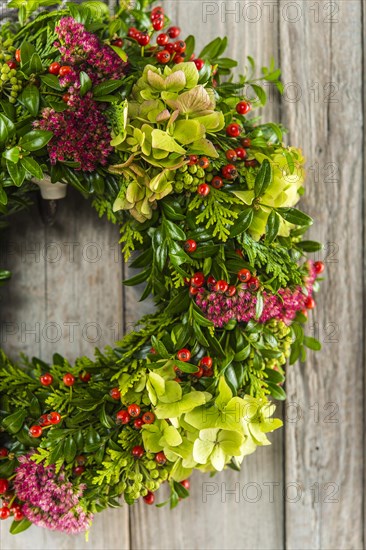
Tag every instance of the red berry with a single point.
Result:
(244, 275)
(143, 39)
(132, 32)
(118, 42)
(199, 373)
(193, 159)
(310, 303)
(178, 59)
(251, 163)
(233, 130)
(231, 291)
(133, 410)
(17, 55)
(3, 452)
(149, 498)
(162, 39)
(18, 515)
(85, 377)
(243, 107)
(229, 172)
(186, 484)
(138, 451)
(157, 10)
(54, 68)
(319, 267)
(169, 47)
(80, 460)
(138, 423)
(209, 372)
(203, 163)
(231, 155)
(203, 189)
(206, 362)
(156, 15)
(190, 245)
(253, 283)
(46, 379)
(221, 286)
(4, 486)
(246, 143)
(211, 281)
(69, 379)
(193, 291)
(15, 508)
(64, 70)
(241, 153)
(44, 420)
(198, 279)
(217, 182)
(180, 46)
(184, 355)
(4, 512)
(199, 63)
(11, 64)
(160, 458)
(54, 418)
(35, 431)
(115, 393)
(174, 32)
(158, 24)
(148, 417)
(78, 470)
(66, 98)
(122, 417)
(163, 56)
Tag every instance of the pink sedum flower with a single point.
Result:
(81, 134)
(48, 499)
(283, 306)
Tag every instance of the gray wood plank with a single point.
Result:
(324, 448)
(217, 523)
(66, 288)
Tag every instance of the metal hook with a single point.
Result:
(48, 210)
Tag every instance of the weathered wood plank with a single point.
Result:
(324, 447)
(218, 521)
(66, 288)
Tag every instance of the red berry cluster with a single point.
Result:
(133, 413)
(9, 506)
(198, 280)
(205, 365)
(50, 419)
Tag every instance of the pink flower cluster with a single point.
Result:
(81, 134)
(49, 500)
(283, 306)
(82, 48)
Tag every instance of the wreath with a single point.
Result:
(165, 144)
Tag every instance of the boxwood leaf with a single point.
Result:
(35, 140)
(263, 178)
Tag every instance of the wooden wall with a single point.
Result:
(306, 490)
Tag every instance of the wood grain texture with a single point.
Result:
(220, 521)
(324, 449)
(55, 303)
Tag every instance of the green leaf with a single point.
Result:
(26, 52)
(20, 526)
(242, 223)
(272, 226)
(35, 64)
(106, 87)
(295, 216)
(14, 422)
(85, 83)
(12, 154)
(16, 172)
(70, 449)
(312, 343)
(7, 129)
(259, 305)
(309, 246)
(185, 367)
(277, 392)
(30, 98)
(263, 178)
(262, 96)
(35, 140)
(201, 320)
(32, 167)
(52, 81)
(190, 45)
(137, 279)
(175, 232)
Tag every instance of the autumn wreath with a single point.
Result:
(165, 144)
